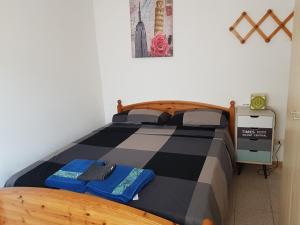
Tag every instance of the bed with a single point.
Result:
(193, 171)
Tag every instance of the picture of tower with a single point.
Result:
(141, 49)
(159, 17)
(151, 23)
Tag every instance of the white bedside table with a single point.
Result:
(254, 137)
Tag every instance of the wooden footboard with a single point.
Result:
(41, 206)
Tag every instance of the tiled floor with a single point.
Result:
(253, 199)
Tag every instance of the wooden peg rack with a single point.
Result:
(256, 26)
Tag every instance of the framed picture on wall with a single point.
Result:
(151, 28)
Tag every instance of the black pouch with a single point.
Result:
(97, 172)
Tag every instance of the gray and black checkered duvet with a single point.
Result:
(193, 167)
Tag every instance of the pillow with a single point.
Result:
(142, 116)
(200, 118)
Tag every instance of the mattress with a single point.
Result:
(193, 167)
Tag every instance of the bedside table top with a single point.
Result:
(246, 111)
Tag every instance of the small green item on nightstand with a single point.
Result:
(258, 102)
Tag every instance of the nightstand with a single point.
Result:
(254, 137)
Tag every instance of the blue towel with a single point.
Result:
(122, 185)
(66, 177)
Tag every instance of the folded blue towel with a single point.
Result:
(122, 185)
(66, 177)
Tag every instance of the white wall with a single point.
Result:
(50, 89)
(209, 64)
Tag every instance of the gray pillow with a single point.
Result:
(142, 116)
(200, 118)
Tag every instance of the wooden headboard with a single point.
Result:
(173, 106)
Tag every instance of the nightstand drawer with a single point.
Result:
(255, 157)
(258, 133)
(255, 144)
(255, 121)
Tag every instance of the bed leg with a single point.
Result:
(207, 222)
(239, 168)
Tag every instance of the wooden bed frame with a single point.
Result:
(173, 106)
(42, 206)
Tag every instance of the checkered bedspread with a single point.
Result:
(193, 167)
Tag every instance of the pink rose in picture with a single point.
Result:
(159, 46)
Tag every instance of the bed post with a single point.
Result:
(120, 106)
(232, 119)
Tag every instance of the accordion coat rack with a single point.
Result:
(256, 26)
